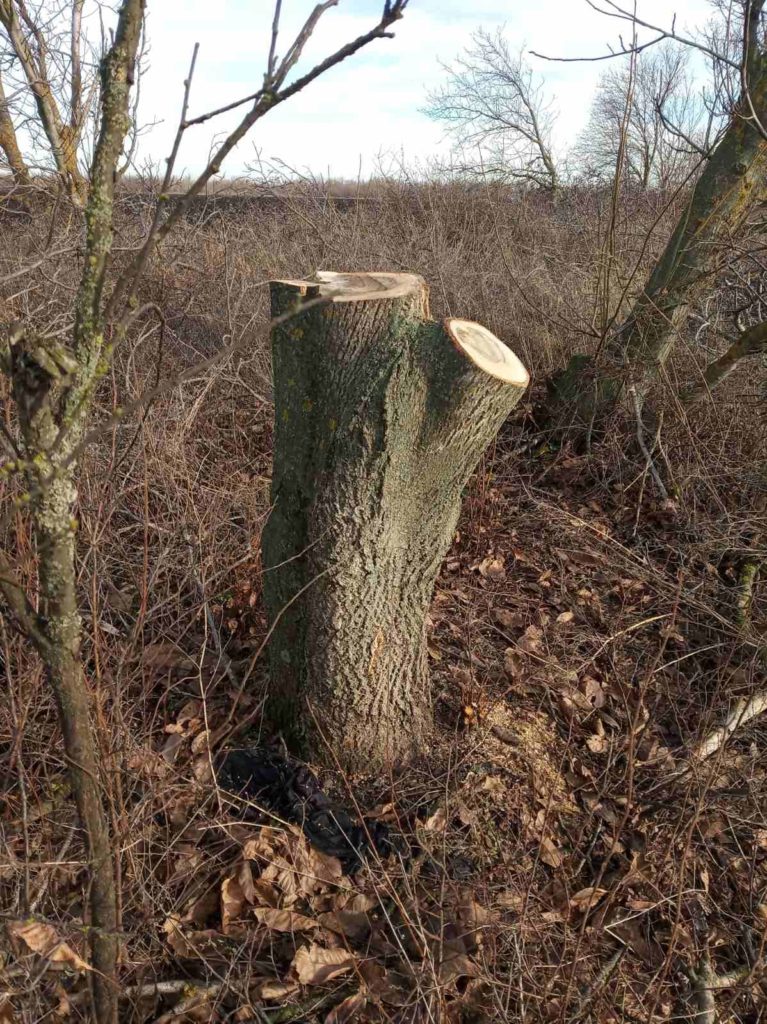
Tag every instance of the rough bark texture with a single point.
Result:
(53, 385)
(732, 180)
(730, 184)
(9, 143)
(380, 418)
(750, 343)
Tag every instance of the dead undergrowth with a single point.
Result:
(565, 856)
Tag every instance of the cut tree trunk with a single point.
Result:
(381, 415)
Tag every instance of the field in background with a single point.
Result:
(583, 640)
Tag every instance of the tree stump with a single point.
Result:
(381, 415)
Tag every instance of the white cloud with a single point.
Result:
(371, 103)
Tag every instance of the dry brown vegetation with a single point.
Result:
(572, 860)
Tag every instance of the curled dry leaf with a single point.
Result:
(163, 656)
(283, 920)
(347, 1010)
(354, 925)
(512, 662)
(458, 966)
(232, 901)
(531, 640)
(436, 822)
(549, 854)
(273, 990)
(44, 940)
(314, 965)
(587, 899)
(507, 619)
(247, 885)
(492, 568)
(473, 920)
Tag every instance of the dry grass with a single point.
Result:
(572, 863)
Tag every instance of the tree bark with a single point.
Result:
(9, 143)
(751, 342)
(730, 184)
(381, 415)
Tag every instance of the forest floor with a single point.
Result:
(570, 858)
(566, 855)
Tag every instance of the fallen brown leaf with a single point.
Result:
(273, 990)
(44, 940)
(232, 901)
(352, 924)
(587, 899)
(458, 966)
(163, 656)
(7, 1015)
(283, 920)
(549, 854)
(314, 965)
(346, 1010)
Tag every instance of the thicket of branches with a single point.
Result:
(634, 287)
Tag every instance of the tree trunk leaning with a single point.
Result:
(381, 415)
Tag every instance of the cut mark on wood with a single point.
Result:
(487, 352)
(361, 287)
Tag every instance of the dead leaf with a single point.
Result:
(314, 965)
(508, 620)
(598, 742)
(203, 908)
(473, 919)
(587, 899)
(163, 656)
(171, 747)
(458, 966)
(436, 822)
(360, 902)
(549, 853)
(265, 894)
(6, 1011)
(512, 662)
(511, 901)
(232, 901)
(262, 846)
(354, 925)
(44, 940)
(492, 568)
(531, 640)
(565, 617)
(273, 990)
(324, 868)
(385, 985)
(346, 1010)
(247, 885)
(283, 920)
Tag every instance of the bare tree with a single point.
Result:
(54, 381)
(652, 112)
(494, 103)
(52, 72)
(9, 143)
(726, 187)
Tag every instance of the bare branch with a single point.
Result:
(264, 102)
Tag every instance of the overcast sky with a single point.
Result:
(370, 105)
